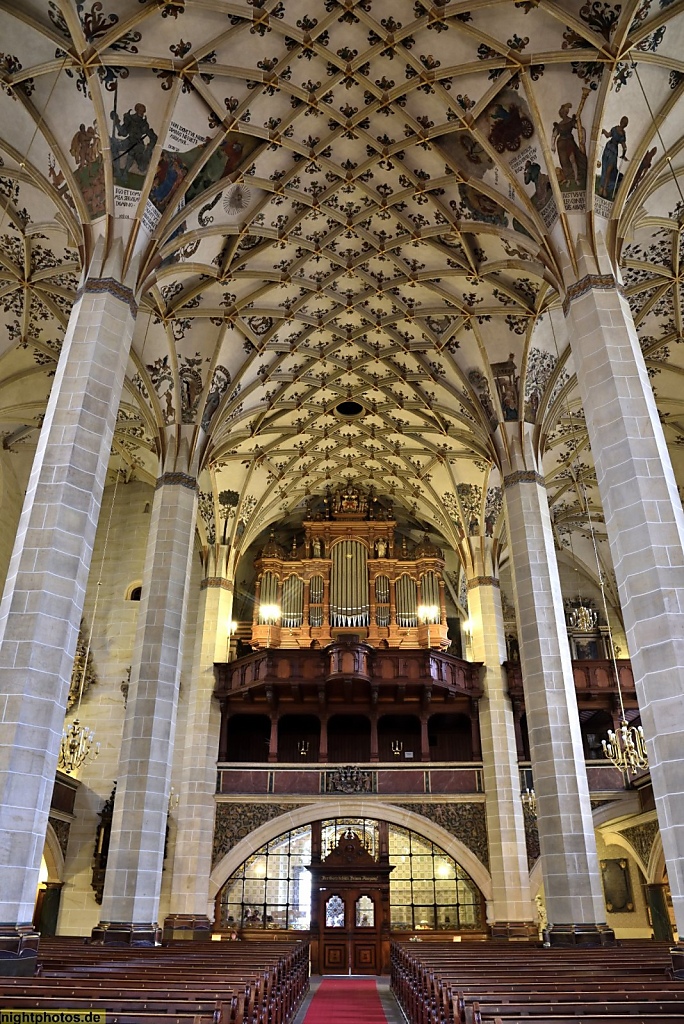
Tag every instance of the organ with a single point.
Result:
(347, 577)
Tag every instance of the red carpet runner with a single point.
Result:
(341, 1000)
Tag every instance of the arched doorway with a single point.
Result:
(414, 887)
(50, 884)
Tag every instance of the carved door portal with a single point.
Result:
(350, 909)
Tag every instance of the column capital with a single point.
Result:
(217, 581)
(482, 581)
(176, 479)
(523, 476)
(590, 282)
(109, 286)
(480, 556)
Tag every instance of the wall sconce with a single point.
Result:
(397, 748)
(303, 747)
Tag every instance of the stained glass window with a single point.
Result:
(334, 912)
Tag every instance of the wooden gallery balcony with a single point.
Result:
(354, 718)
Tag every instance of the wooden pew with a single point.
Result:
(440, 983)
(227, 983)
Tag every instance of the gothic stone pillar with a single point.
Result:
(188, 918)
(45, 589)
(136, 853)
(510, 910)
(572, 887)
(645, 527)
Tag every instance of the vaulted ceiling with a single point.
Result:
(335, 202)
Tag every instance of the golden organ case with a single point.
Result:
(348, 577)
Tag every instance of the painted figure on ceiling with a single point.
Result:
(85, 146)
(509, 124)
(542, 186)
(86, 151)
(174, 167)
(644, 168)
(609, 178)
(572, 158)
(135, 143)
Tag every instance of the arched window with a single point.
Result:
(429, 890)
(134, 592)
(334, 912)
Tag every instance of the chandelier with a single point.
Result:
(76, 746)
(529, 801)
(582, 618)
(626, 747)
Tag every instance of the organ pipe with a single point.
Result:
(407, 603)
(293, 602)
(349, 597)
(430, 593)
(269, 592)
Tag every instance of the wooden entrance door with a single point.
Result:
(350, 910)
(351, 934)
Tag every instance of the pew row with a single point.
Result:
(211, 983)
(444, 983)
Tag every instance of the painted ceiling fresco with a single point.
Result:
(343, 201)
